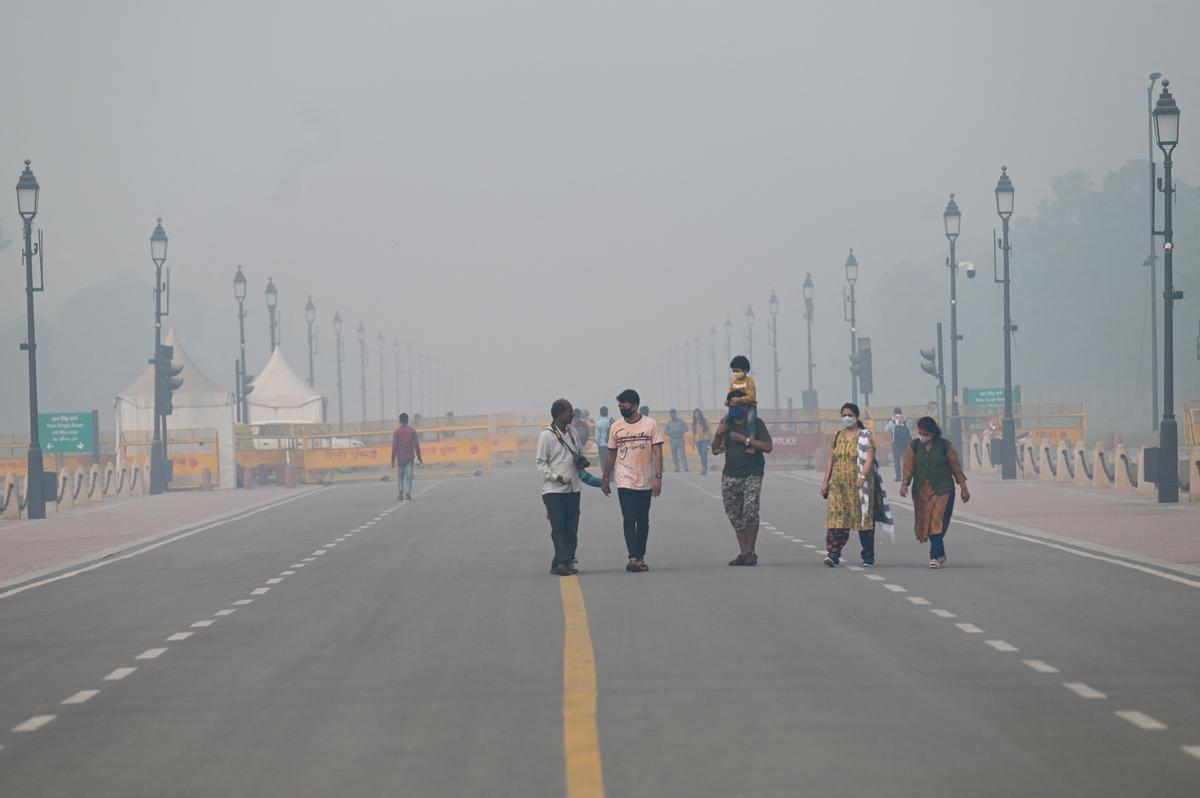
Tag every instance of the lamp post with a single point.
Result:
(411, 407)
(686, 395)
(850, 312)
(809, 401)
(27, 206)
(699, 380)
(1004, 207)
(750, 334)
(272, 300)
(728, 339)
(1151, 261)
(396, 359)
(712, 349)
(158, 451)
(362, 371)
(239, 293)
(773, 338)
(1166, 127)
(382, 408)
(310, 317)
(341, 358)
(952, 220)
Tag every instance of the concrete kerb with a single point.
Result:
(122, 548)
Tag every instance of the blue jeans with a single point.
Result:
(679, 452)
(702, 449)
(937, 543)
(404, 478)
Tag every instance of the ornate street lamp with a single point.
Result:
(809, 399)
(239, 293)
(773, 338)
(952, 221)
(1166, 129)
(850, 314)
(1004, 207)
(272, 301)
(341, 358)
(310, 318)
(28, 192)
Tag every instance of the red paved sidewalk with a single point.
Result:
(1115, 520)
(32, 548)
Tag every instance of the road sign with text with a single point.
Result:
(66, 433)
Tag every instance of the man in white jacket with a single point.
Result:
(558, 451)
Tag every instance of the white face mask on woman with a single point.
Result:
(849, 421)
(924, 438)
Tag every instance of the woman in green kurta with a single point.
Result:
(842, 488)
(931, 466)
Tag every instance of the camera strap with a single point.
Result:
(563, 440)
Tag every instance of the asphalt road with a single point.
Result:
(421, 653)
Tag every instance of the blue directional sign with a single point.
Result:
(66, 433)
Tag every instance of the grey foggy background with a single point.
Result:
(546, 196)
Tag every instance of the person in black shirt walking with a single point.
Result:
(742, 476)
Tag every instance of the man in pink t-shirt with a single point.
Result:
(635, 447)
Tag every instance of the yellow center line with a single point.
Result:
(581, 740)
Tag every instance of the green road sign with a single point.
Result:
(993, 397)
(66, 433)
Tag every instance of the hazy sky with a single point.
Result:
(496, 181)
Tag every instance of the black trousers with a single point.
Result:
(635, 510)
(898, 455)
(563, 509)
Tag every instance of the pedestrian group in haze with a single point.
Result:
(631, 454)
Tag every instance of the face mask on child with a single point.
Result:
(849, 421)
(737, 412)
(739, 375)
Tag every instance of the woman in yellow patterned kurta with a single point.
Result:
(842, 487)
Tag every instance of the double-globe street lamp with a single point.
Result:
(952, 220)
(382, 408)
(1004, 207)
(1166, 128)
(362, 347)
(750, 334)
(35, 482)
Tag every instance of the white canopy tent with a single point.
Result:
(199, 404)
(280, 395)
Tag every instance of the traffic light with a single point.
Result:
(929, 363)
(860, 366)
(166, 379)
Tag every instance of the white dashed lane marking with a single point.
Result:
(896, 588)
(851, 567)
(243, 602)
(1191, 750)
(943, 613)
(274, 581)
(1084, 691)
(1141, 720)
(179, 636)
(82, 697)
(260, 591)
(1001, 645)
(203, 624)
(918, 600)
(873, 577)
(223, 613)
(119, 674)
(151, 653)
(1039, 666)
(969, 628)
(286, 573)
(319, 552)
(34, 723)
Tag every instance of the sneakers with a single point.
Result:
(632, 565)
(751, 558)
(868, 563)
(561, 570)
(832, 560)
(934, 564)
(738, 560)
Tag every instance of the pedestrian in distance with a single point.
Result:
(745, 451)
(700, 438)
(931, 468)
(902, 436)
(602, 428)
(635, 455)
(406, 449)
(853, 489)
(559, 461)
(676, 431)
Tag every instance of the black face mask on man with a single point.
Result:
(627, 412)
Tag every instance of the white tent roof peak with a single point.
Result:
(197, 389)
(278, 386)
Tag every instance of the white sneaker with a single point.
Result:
(934, 564)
